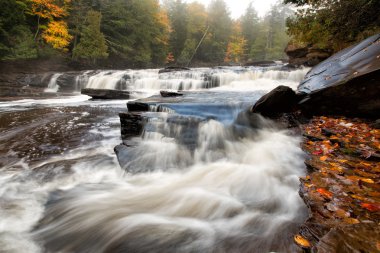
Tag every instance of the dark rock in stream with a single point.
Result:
(170, 94)
(107, 94)
(134, 106)
(132, 124)
(172, 69)
(260, 63)
(281, 99)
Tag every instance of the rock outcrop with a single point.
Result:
(306, 55)
(346, 84)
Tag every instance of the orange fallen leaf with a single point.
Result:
(373, 207)
(367, 180)
(323, 158)
(325, 193)
(358, 197)
(301, 241)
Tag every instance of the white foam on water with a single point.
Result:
(247, 197)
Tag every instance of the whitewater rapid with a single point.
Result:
(151, 80)
(234, 189)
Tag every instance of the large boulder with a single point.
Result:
(280, 100)
(345, 84)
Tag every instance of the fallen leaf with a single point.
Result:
(323, 158)
(342, 214)
(351, 221)
(301, 241)
(371, 207)
(325, 193)
(367, 180)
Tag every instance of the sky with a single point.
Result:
(238, 7)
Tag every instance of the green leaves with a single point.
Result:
(92, 44)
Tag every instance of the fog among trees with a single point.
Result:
(141, 33)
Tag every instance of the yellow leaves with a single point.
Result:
(57, 35)
(55, 32)
(301, 241)
(351, 221)
(356, 178)
(236, 46)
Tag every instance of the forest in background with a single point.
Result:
(140, 33)
(149, 33)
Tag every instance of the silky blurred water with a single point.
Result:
(62, 189)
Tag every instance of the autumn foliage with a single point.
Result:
(343, 186)
(55, 31)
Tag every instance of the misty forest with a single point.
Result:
(182, 126)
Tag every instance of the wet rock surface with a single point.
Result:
(342, 189)
(281, 99)
(306, 55)
(345, 84)
(108, 94)
(170, 94)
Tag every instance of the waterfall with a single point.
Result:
(53, 86)
(250, 78)
(230, 195)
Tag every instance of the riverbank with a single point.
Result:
(341, 188)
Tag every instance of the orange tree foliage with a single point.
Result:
(236, 46)
(57, 35)
(55, 32)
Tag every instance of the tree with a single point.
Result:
(77, 16)
(196, 27)
(92, 43)
(271, 38)
(215, 45)
(55, 32)
(250, 27)
(136, 31)
(334, 24)
(16, 39)
(236, 46)
(177, 13)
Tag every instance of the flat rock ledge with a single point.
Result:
(107, 94)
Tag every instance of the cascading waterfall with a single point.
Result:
(194, 79)
(53, 86)
(196, 180)
(237, 196)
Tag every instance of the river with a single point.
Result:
(62, 189)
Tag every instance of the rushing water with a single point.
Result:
(211, 185)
